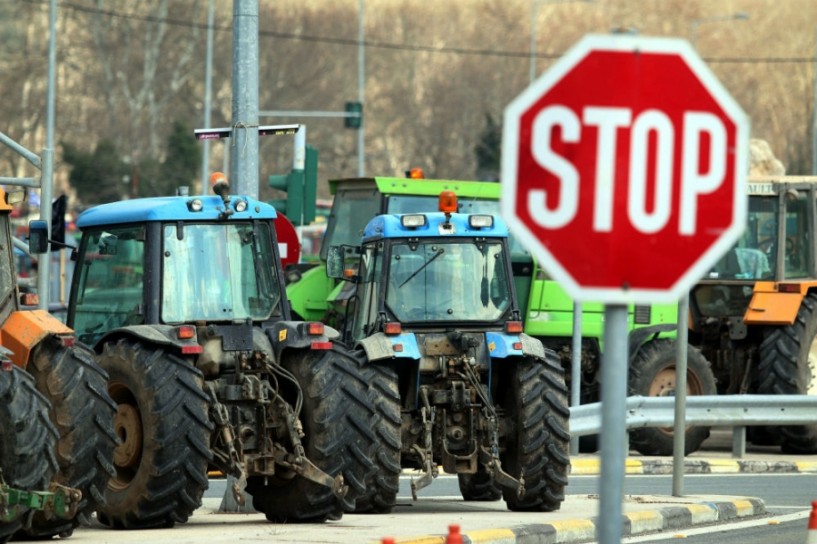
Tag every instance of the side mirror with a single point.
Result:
(38, 237)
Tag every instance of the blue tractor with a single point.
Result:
(433, 309)
(182, 299)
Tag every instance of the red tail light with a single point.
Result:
(392, 328)
(195, 349)
(186, 332)
(315, 329)
(321, 345)
(513, 327)
(788, 287)
(67, 341)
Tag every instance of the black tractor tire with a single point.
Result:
(162, 423)
(479, 486)
(652, 374)
(339, 418)
(27, 457)
(537, 447)
(788, 366)
(83, 413)
(379, 492)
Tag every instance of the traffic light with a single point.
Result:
(356, 120)
(301, 188)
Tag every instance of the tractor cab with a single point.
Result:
(440, 270)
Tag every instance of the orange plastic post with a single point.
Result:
(454, 536)
(812, 525)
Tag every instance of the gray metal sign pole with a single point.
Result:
(244, 141)
(613, 423)
(679, 438)
(576, 369)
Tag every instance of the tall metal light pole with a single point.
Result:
(208, 76)
(534, 5)
(695, 23)
(814, 114)
(361, 82)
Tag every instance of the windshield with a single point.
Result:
(756, 253)
(447, 280)
(218, 272)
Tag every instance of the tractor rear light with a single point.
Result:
(321, 345)
(30, 299)
(392, 328)
(194, 349)
(6, 365)
(67, 341)
(240, 205)
(195, 205)
(398, 348)
(448, 202)
(315, 328)
(481, 221)
(513, 327)
(788, 288)
(517, 345)
(413, 221)
(186, 332)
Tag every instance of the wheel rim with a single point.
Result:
(663, 385)
(128, 427)
(811, 384)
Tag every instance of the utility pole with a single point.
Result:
(244, 140)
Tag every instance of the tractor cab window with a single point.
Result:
(797, 233)
(357, 207)
(371, 276)
(763, 245)
(447, 280)
(109, 290)
(218, 272)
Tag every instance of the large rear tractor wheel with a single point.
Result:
(339, 414)
(537, 446)
(378, 494)
(162, 422)
(27, 457)
(788, 366)
(652, 374)
(83, 413)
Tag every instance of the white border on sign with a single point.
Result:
(509, 167)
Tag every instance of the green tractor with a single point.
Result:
(546, 309)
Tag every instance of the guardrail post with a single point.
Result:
(738, 442)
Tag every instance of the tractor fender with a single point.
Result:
(164, 335)
(502, 345)
(379, 346)
(295, 334)
(640, 336)
(25, 329)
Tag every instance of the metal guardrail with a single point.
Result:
(736, 411)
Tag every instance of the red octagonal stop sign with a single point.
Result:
(623, 169)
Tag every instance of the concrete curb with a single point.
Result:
(592, 466)
(666, 518)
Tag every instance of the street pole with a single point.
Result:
(47, 172)
(208, 76)
(244, 141)
(814, 114)
(532, 73)
(361, 83)
(613, 424)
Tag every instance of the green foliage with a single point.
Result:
(182, 160)
(100, 176)
(488, 150)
